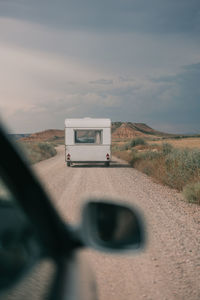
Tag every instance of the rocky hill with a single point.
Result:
(120, 130)
(46, 135)
(17, 136)
(128, 130)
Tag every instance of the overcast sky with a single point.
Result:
(130, 60)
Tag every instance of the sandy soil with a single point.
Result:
(169, 267)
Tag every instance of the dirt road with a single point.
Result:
(169, 267)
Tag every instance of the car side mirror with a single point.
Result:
(106, 225)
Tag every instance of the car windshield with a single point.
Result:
(103, 96)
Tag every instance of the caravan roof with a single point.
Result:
(87, 123)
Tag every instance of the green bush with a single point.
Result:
(150, 155)
(167, 148)
(36, 152)
(116, 148)
(47, 148)
(182, 165)
(177, 168)
(192, 192)
(137, 141)
(135, 157)
(185, 160)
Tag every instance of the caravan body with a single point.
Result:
(87, 140)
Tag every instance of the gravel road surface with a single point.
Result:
(169, 267)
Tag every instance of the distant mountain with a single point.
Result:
(115, 125)
(46, 135)
(127, 130)
(120, 130)
(18, 136)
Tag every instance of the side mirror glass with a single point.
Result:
(112, 226)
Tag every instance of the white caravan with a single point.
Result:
(87, 140)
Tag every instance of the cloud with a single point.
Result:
(115, 15)
(108, 53)
(128, 60)
(169, 102)
(51, 114)
(177, 99)
(102, 81)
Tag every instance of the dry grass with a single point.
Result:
(125, 155)
(192, 192)
(36, 152)
(175, 167)
(181, 143)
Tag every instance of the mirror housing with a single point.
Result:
(110, 226)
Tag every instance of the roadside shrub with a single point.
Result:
(167, 148)
(47, 148)
(137, 141)
(115, 148)
(192, 192)
(148, 162)
(177, 168)
(128, 145)
(184, 159)
(177, 137)
(124, 147)
(182, 166)
(151, 155)
(118, 148)
(125, 155)
(36, 152)
(135, 157)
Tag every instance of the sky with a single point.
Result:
(128, 60)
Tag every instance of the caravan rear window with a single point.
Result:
(88, 137)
